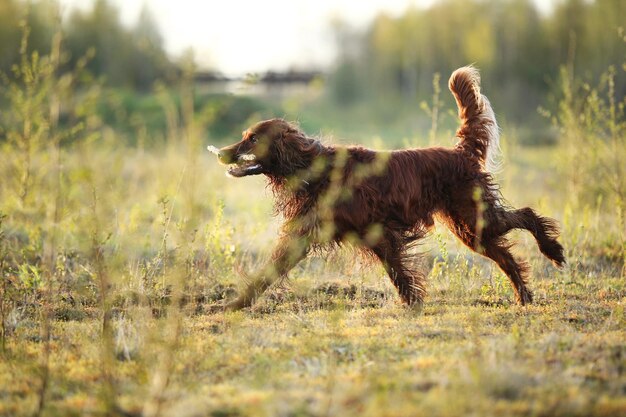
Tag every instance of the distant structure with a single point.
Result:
(272, 83)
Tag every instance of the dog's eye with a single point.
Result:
(253, 139)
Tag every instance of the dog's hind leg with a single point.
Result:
(401, 268)
(544, 230)
(290, 250)
(517, 270)
(490, 243)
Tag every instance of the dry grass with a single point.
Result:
(170, 232)
(112, 260)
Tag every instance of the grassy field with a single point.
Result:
(113, 258)
(120, 236)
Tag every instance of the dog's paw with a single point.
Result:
(215, 308)
(224, 306)
(560, 263)
(525, 297)
(416, 307)
(238, 303)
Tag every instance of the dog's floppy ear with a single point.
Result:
(294, 151)
(289, 129)
(294, 135)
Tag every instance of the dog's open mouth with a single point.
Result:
(243, 168)
(246, 165)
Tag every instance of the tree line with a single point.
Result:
(124, 57)
(518, 49)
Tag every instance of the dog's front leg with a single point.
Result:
(290, 250)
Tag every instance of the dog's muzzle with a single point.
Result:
(244, 165)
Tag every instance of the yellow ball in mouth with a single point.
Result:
(244, 166)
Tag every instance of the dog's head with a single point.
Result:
(272, 147)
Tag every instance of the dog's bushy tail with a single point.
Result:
(479, 131)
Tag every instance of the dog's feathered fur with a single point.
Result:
(387, 200)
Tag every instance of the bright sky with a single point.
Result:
(243, 36)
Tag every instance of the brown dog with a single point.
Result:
(384, 201)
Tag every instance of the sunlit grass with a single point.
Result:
(333, 340)
(113, 259)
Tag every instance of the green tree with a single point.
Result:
(148, 61)
(100, 29)
(124, 57)
(42, 18)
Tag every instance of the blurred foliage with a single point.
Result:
(223, 116)
(142, 84)
(132, 58)
(518, 50)
(375, 86)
